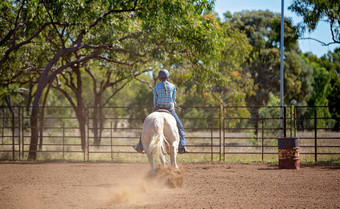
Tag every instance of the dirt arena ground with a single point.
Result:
(206, 185)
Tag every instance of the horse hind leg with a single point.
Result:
(162, 160)
(150, 158)
(173, 154)
(162, 155)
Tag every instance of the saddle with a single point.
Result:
(162, 110)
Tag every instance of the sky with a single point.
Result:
(321, 33)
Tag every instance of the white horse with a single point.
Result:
(159, 137)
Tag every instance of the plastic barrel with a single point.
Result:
(289, 153)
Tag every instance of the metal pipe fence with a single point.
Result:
(230, 133)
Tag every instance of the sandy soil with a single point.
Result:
(206, 185)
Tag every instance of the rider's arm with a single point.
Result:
(174, 95)
(155, 97)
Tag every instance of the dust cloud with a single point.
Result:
(142, 189)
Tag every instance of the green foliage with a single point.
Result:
(138, 94)
(326, 85)
(234, 62)
(314, 11)
(263, 33)
(321, 86)
(331, 62)
(226, 83)
(271, 111)
(321, 90)
(128, 34)
(298, 79)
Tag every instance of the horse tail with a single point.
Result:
(158, 141)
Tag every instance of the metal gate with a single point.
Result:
(233, 133)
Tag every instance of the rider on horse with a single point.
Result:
(164, 97)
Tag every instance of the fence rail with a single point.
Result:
(212, 133)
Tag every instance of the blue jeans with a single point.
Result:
(179, 125)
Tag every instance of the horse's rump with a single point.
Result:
(159, 136)
(158, 141)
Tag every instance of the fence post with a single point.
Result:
(211, 142)
(88, 134)
(315, 136)
(63, 140)
(13, 135)
(22, 133)
(19, 131)
(111, 141)
(223, 129)
(262, 136)
(291, 121)
(295, 119)
(220, 130)
(3, 126)
(285, 121)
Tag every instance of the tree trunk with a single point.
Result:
(32, 155)
(255, 115)
(82, 126)
(43, 81)
(81, 109)
(42, 115)
(29, 99)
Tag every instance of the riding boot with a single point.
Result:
(138, 147)
(182, 149)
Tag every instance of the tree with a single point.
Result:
(314, 11)
(22, 22)
(327, 83)
(131, 32)
(263, 32)
(331, 62)
(298, 84)
(72, 82)
(262, 29)
(229, 84)
(114, 77)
